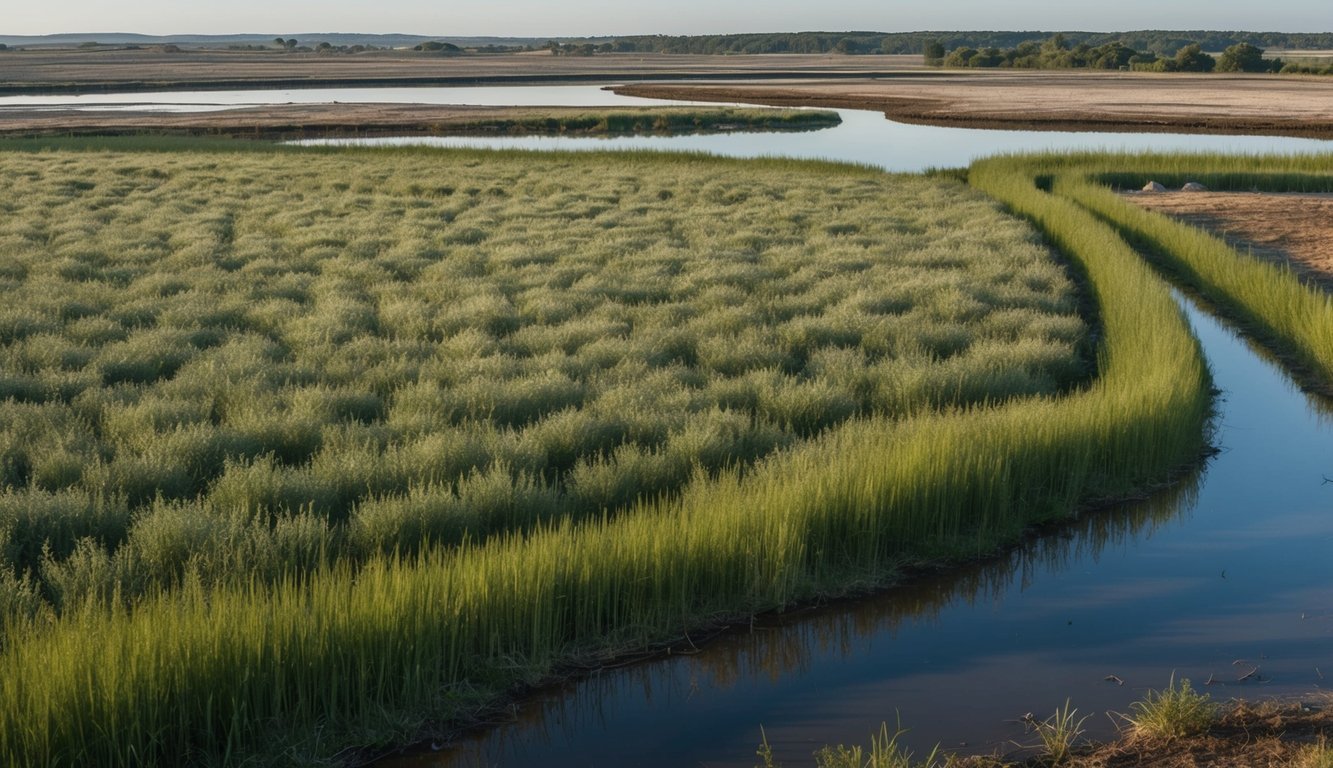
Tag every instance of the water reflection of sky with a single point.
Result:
(863, 137)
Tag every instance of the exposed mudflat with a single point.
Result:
(1214, 103)
(68, 70)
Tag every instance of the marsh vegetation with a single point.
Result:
(229, 365)
(383, 435)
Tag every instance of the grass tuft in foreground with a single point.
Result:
(1173, 712)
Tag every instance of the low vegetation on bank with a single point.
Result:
(655, 120)
(292, 121)
(1058, 53)
(1175, 727)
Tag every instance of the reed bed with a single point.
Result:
(242, 365)
(307, 663)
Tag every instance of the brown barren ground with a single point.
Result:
(65, 70)
(1291, 229)
(1248, 735)
(1122, 101)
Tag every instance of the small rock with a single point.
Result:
(1153, 186)
(1193, 186)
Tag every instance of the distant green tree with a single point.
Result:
(959, 57)
(436, 46)
(278, 41)
(1243, 57)
(1191, 58)
(988, 57)
(291, 44)
(933, 53)
(1111, 56)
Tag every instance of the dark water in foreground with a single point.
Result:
(1227, 572)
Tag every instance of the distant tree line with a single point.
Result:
(1057, 52)
(1160, 42)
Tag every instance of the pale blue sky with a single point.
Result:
(534, 18)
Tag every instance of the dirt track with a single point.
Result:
(1267, 104)
(57, 71)
(1291, 229)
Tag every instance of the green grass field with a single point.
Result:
(229, 365)
(304, 448)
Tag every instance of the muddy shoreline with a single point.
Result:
(1267, 105)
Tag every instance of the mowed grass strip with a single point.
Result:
(354, 654)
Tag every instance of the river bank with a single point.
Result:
(1051, 100)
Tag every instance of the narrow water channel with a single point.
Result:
(1224, 574)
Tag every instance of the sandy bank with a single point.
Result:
(1264, 104)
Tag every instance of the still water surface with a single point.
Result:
(1226, 573)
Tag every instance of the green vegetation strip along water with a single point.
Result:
(300, 358)
(278, 121)
(1292, 319)
(354, 652)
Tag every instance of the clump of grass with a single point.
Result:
(884, 752)
(1173, 712)
(1315, 755)
(1060, 733)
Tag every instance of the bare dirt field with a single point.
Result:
(1292, 229)
(51, 71)
(288, 121)
(899, 86)
(1271, 104)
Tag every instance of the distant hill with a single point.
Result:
(1161, 42)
